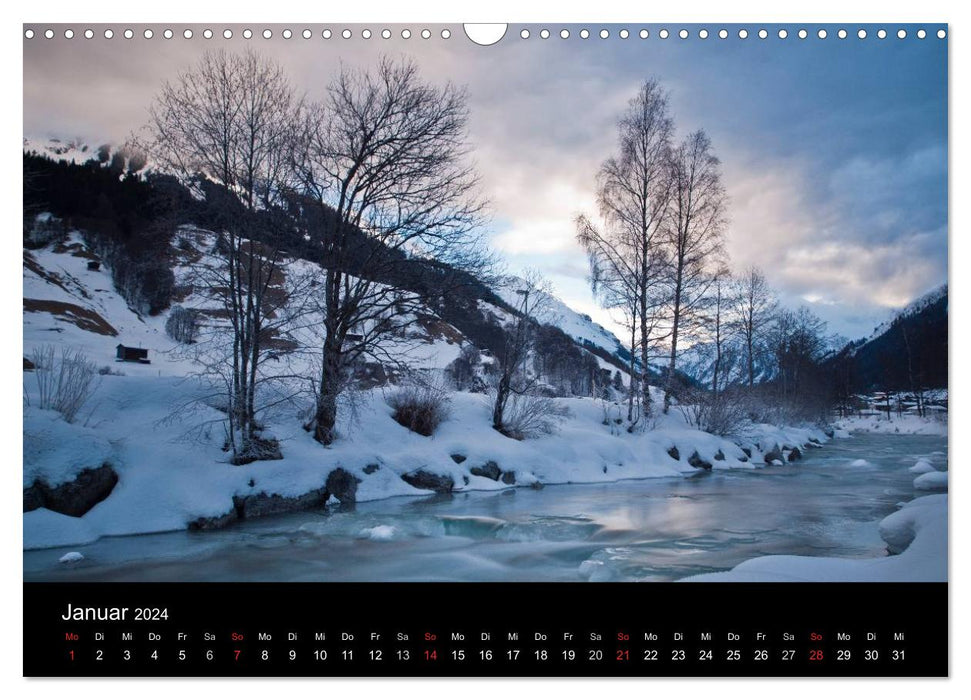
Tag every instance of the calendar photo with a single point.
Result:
(429, 304)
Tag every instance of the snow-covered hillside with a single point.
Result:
(154, 426)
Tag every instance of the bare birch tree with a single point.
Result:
(633, 198)
(755, 308)
(226, 127)
(693, 237)
(385, 160)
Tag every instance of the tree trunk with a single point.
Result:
(633, 370)
(676, 320)
(325, 417)
(499, 408)
(645, 385)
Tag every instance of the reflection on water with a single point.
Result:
(652, 530)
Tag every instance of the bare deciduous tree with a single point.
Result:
(227, 128)
(755, 307)
(633, 197)
(384, 157)
(693, 236)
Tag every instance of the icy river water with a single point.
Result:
(828, 504)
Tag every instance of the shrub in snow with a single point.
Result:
(256, 449)
(723, 413)
(420, 408)
(531, 415)
(182, 324)
(65, 382)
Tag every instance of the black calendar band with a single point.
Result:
(477, 629)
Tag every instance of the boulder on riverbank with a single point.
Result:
(422, 479)
(75, 497)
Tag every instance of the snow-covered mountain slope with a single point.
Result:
(914, 308)
(551, 310)
(907, 352)
(71, 150)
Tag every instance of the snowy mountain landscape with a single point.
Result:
(286, 350)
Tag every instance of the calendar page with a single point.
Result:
(485, 350)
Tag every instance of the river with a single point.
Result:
(828, 504)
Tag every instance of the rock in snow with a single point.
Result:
(931, 481)
(922, 467)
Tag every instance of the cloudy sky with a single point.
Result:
(834, 151)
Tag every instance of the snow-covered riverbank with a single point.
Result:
(172, 471)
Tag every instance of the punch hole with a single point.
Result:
(703, 34)
(643, 34)
(483, 34)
